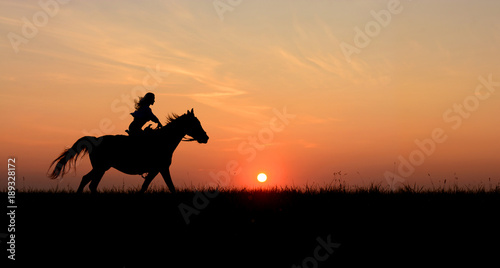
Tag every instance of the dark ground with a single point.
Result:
(256, 229)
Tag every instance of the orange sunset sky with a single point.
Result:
(371, 88)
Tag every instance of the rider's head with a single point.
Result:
(148, 99)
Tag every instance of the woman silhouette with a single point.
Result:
(143, 114)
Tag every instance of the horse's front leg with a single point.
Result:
(149, 178)
(168, 180)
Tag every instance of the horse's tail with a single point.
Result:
(69, 156)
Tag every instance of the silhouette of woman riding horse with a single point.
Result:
(142, 115)
(142, 152)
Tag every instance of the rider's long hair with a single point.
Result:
(144, 101)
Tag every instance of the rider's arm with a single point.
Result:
(154, 118)
(157, 121)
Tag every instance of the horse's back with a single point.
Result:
(121, 142)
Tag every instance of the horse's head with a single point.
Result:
(194, 129)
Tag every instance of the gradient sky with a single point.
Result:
(80, 71)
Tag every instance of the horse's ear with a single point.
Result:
(192, 111)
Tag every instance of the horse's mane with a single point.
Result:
(171, 120)
(171, 117)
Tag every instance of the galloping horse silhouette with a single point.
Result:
(149, 153)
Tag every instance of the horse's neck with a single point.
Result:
(171, 138)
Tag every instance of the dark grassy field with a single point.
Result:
(258, 228)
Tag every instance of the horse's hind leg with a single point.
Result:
(85, 180)
(96, 178)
